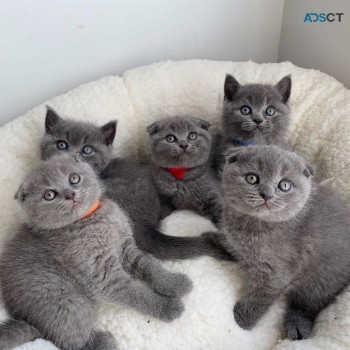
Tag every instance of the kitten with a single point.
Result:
(253, 114)
(180, 149)
(76, 251)
(127, 183)
(290, 236)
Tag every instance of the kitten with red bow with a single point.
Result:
(180, 149)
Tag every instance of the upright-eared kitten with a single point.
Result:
(127, 183)
(75, 251)
(180, 149)
(253, 114)
(290, 236)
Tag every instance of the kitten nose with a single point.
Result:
(257, 121)
(69, 194)
(265, 196)
(183, 144)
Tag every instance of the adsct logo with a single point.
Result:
(323, 17)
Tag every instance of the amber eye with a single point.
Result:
(192, 136)
(252, 179)
(270, 111)
(87, 150)
(245, 110)
(171, 138)
(62, 145)
(50, 195)
(285, 185)
(74, 179)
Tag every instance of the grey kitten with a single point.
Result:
(253, 114)
(290, 236)
(180, 149)
(75, 251)
(127, 183)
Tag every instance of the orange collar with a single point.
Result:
(93, 208)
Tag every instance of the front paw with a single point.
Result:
(245, 315)
(175, 285)
(171, 309)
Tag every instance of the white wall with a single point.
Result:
(50, 46)
(323, 46)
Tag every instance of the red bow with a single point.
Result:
(179, 173)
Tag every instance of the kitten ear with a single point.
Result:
(231, 87)
(232, 154)
(20, 195)
(203, 124)
(284, 87)
(108, 132)
(309, 171)
(153, 128)
(51, 119)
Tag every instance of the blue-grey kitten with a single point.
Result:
(180, 149)
(290, 236)
(75, 251)
(253, 114)
(127, 183)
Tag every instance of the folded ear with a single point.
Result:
(203, 124)
(20, 195)
(284, 87)
(108, 132)
(309, 171)
(51, 119)
(153, 128)
(233, 154)
(231, 87)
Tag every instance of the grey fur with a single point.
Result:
(56, 270)
(297, 247)
(127, 183)
(198, 190)
(256, 127)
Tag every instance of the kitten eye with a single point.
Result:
(270, 111)
(171, 138)
(252, 179)
(62, 145)
(285, 185)
(245, 110)
(50, 195)
(87, 150)
(192, 136)
(74, 179)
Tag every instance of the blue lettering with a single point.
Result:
(307, 18)
(322, 17)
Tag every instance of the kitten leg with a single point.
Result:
(130, 292)
(212, 207)
(256, 302)
(148, 269)
(297, 324)
(101, 341)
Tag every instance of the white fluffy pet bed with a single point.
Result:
(319, 130)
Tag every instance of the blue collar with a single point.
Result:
(238, 142)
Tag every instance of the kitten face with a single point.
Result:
(79, 139)
(255, 111)
(58, 192)
(179, 142)
(266, 182)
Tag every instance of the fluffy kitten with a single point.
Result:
(67, 259)
(127, 183)
(290, 236)
(253, 114)
(180, 149)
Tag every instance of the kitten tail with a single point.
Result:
(15, 332)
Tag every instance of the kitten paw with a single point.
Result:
(175, 285)
(244, 315)
(297, 325)
(171, 309)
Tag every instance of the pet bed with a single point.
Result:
(319, 130)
